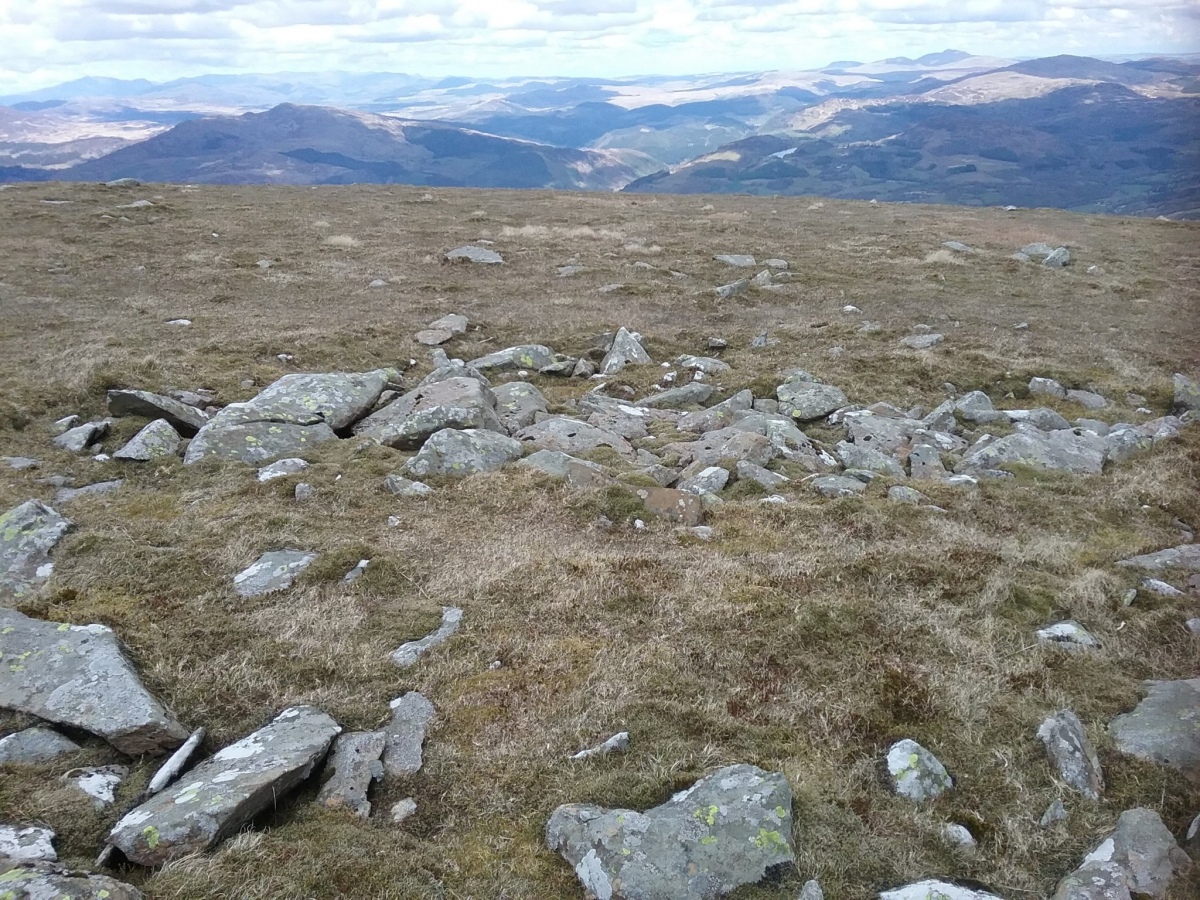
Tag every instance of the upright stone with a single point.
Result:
(1187, 395)
(626, 350)
(1072, 753)
(158, 440)
(353, 765)
(916, 773)
(76, 675)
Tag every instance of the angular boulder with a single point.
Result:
(77, 675)
(806, 401)
(518, 405)
(408, 421)
(730, 829)
(50, 881)
(1072, 753)
(35, 745)
(718, 416)
(1185, 557)
(255, 442)
(692, 394)
(626, 350)
(678, 506)
(576, 472)
(213, 800)
(1187, 395)
(916, 773)
(27, 535)
(572, 436)
(273, 571)
(81, 437)
(934, 889)
(352, 766)
(1139, 858)
(28, 844)
(1164, 727)
(525, 356)
(183, 418)
(452, 452)
(1064, 451)
(158, 440)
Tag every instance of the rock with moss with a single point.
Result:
(158, 440)
(573, 436)
(727, 443)
(915, 772)
(46, 880)
(407, 422)
(511, 359)
(1063, 451)
(255, 442)
(78, 676)
(27, 535)
(466, 452)
(576, 472)
(271, 572)
(1164, 727)
(1072, 753)
(730, 829)
(718, 416)
(858, 456)
(213, 800)
(806, 401)
(182, 417)
(1187, 395)
(518, 405)
(626, 351)
(1140, 858)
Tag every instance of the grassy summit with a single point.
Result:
(804, 638)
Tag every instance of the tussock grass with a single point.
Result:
(804, 638)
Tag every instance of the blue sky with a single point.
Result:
(48, 41)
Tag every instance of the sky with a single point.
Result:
(44, 42)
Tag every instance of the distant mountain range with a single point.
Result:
(1065, 131)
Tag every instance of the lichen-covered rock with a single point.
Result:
(1185, 556)
(1140, 856)
(730, 829)
(453, 368)
(1072, 753)
(976, 407)
(692, 394)
(1087, 399)
(718, 416)
(407, 422)
(158, 440)
(576, 472)
(405, 734)
(76, 675)
(748, 471)
(731, 443)
(67, 495)
(936, 890)
(526, 356)
(806, 401)
(50, 881)
(625, 351)
(281, 468)
(834, 486)
(518, 405)
(1164, 727)
(408, 653)
(467, 452)
(180, 416)
(706, 364)
(273, 571)
(1082, 454)
(1069, 635)
(710, 480)
(34, 745)
(916, 773)
(27, 535)
(1094, 881)
(857, 456)
(352, 766)
(213, 800)
(255, 442)
(1047, 387)
(98, 782)
(1187, 395)
(26, 844)
(406, 487)
(572, 436)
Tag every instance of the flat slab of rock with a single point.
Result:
(255, 442)
(806, 401)
(678, 506)
(281, 468)
(1065, 451)
(33, 746)
(158, 440)
(834, 486)
(214, 800)
(353, 765)
(77, 675)
(1072, 753)
(677, 398)
(38, 880)
(67, 495)
(27, 844)
(409, 420)
(407, 654)
(1139, 858)
(916, 773)
(467, 452)
(1185, 556)
(922, 341)
(185, 419)
(936, 890)
(403, 752)
(472, 254)
(730, 829)
(572, 436)
(1165, 727)
(739, 260)
(526, 356)
(576, 472)
(27, 535)
(618, 743)
(274, 571)
(718, 416)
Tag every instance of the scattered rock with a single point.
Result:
(67, 495)
(717, 416)
(406, 487)
(678, 506)
(402, 753)
(618, 743)
(806, 401)
(1069, 634)
(33, 746)
(352, 766)
(1082, 454)
(748, 471)
(29, 844)
(705, 364)
(710, 480)
(725, 291)
(834, 486)
(518, 405)
(455, 402)
(282, 468)
(739, 260)
(573, 437)
(158, 440)
(916, 773)
(19, 463)
(691, 394)
(811, 891)
(900, 494)
(1164, 727)
(1187, 395)
(403, 809)
(1072, 753)
(452, 452)
(1087, 399)
(960, 837)
(1056, 259)
(213, 800)
(185, 419)
(510, 359)
(936, 890)
(1154, 586)
(304, 492)
(37, 880)
(1055, 812)
(27, 535)
(81, 437)
(77, 676)
(469, 253)
(407, 654)
(1185, 556)
(271, 572)
(626, 350)
(922, 341)
(576, 472)
(98, 782)
(730, 829)
(1139, 858)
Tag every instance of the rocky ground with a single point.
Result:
(381, 543)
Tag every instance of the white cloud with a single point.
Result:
(55, 40)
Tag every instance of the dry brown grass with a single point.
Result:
(804, 638)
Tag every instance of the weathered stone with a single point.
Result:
(725, 444)
(81, 437)
(518, 404)
(1185, 556)
(856, 456)
(304, 492)
(217, 797)
(405, 487)
(1164, 727)
(405, 734)
(1094, 881)
(158, 440)
(925, 463)
(976, 407)
(805, 401)
(1187, 395)
(453, 368)
(271, 572)
(900, 494)
(19, 463)
(510, 359)
(27, 535)
(1124, 444)
(922, 341)
(1082, 454)
(472, 254)
(1087, 399)
(282, 468)
(1143, 853)
(720, 415)
(29, 844)
(1042, 418)
(626, 350)
(833, 486)
(408, 653)
(456, 402)
(255, 442)
(1069, 635)
(916, 773)
(730, 829)
(33, 746)
(185, 419)
(76, 675)
(936, 890)
(572, 436)
(1055, 812)
(739, 260)
(884, 433)
(678, 506)
(1047, 387)
(98, 782)
(576, 472)
(468, 452)
(50, 881)
(811, 890)
(99, 488)
(710, 480)
(1072, 753)
(692, 394)
(618, 743)
(1057, 258)
(748, 471)
(352, 766)
(433, 337)
(705, 364)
